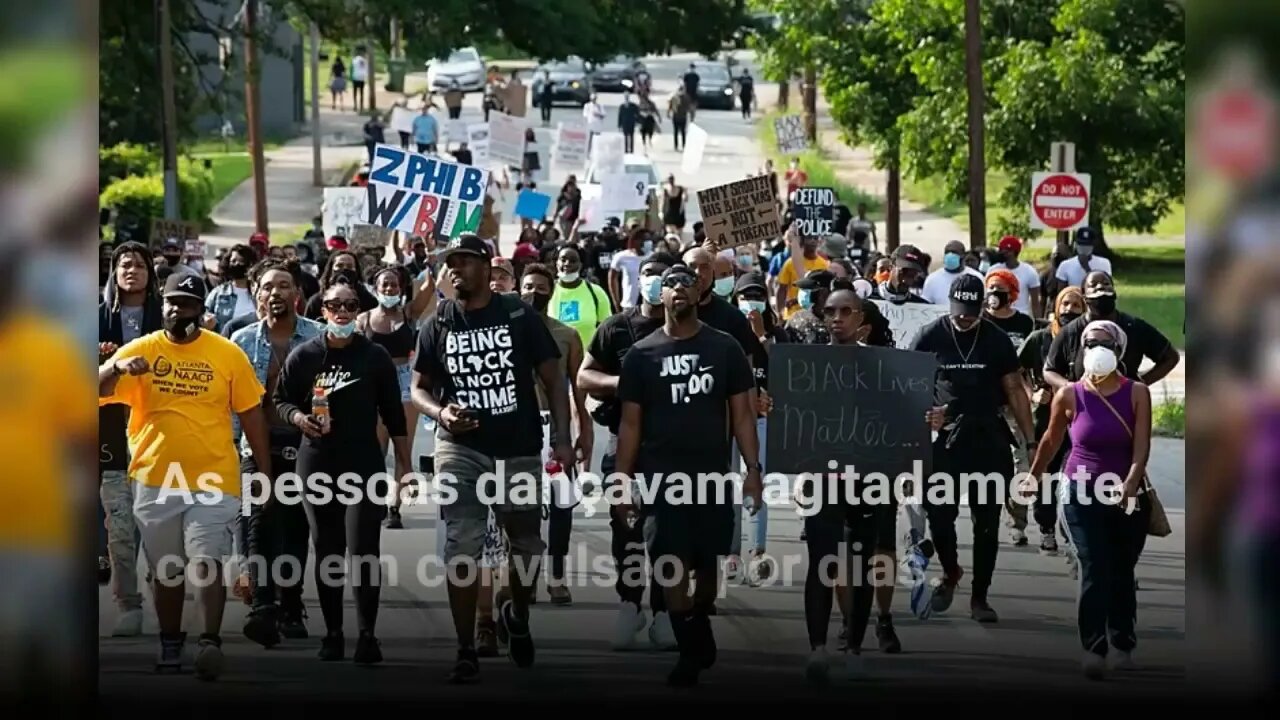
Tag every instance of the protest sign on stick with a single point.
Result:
(424, 195)
(740, 212)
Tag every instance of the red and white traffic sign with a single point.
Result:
(1059, 201)
(1235, 132)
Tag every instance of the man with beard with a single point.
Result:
(130, 309)
(182, 387)
(680, 388)
(908, 267)
(171, 256)
(598, 376)
(483, 418)
(233, 298)
(714, 310)
(277, 532)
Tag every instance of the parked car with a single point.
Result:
(610, 75)
(571, 81)
(715, 86)
(464, 65)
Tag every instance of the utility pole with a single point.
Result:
(317, 170)
(809, 95)
(251, 102)
(169, 113)
(372, 83)
(977, 162)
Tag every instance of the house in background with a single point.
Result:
(280, 65)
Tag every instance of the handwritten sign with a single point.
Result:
(571, 146)
(740, 212)
(624, 192)
(344, 209)
(859, 406)
(506, 139)
(478, 142)
(424, 195)
(608, 153)
(908, 319)
(789, 130)
(815, 210)
(179, 230)
(402, 119)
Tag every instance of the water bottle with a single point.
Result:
(320, 408)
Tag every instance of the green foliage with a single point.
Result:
(122, 160)
(1169, 418)
(142, 196)
(820, 172)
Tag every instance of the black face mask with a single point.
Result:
(1101, 306)
(172, 260)
(1065, 318)
(997, 299)
(237, 272)
(539, 301)
(346, 277)
(181, 327)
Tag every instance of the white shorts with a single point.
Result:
(175, 531)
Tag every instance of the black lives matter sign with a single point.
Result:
(815, 211)
(740, 212)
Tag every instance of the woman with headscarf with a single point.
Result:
(342, 267)
(1104, 502)
(1068, 306)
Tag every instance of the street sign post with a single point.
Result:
(1059, 201)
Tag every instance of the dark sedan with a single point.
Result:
(609, 75)
(570, 82)
(715, 87)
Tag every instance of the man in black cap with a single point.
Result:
(474, 376)
(909, 267)
(978, 373)
(680, 388)
(1072, 271)
(806, 326)
(181, 385)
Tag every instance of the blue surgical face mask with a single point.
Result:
(952, 261)
(651, 289)
(647, 247)
(389, 301)
(746, 306)
(340, 331)
(723, 287)
(805, 298)
(746, 261)
(983, 267)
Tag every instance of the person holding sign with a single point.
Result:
(680, 388)
(804, 260)
(978, 373)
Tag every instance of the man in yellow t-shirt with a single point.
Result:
(788, 294)
(182, 385)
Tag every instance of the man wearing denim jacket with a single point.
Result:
(277, 535)
(234, 297)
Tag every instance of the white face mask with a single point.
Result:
(569, 277)
(1100, 362)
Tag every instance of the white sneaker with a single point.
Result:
(129, 624)
(855, 666)
(1121, 660)
(629, 622)
(817, 666)
(1094, 666)
(661, 634)
(209, 660)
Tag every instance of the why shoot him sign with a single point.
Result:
(424, 195)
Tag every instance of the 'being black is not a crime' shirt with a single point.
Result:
(615, 336)
(970, 365)
(683, 389)
(1017, 326)
(486, 359)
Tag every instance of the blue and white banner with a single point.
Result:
(424, 195)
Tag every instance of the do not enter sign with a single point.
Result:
(1059, 201)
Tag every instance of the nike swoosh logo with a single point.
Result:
(338, 386)
(706, 369)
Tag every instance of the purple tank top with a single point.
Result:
(1099, 441)
(1259, 502)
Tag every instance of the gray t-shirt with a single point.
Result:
(131, 320)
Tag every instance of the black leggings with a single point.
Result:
(985, 505)
(337, 528)
(679, 129)
(825, 531)
(546, 112)
(277, 533)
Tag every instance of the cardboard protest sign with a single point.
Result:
(571, 146)
(193, 249)
(860, 406)
(402, 119)
(815, 211)
(607, 151)
(478, 141)
(740, 212)
(515, 98)
(506, 139)
(694, 146)
(424, 195)
(789, 131)
(343, 209)
(532, 204)
(179, 230)
(908, 319)
(624, 192)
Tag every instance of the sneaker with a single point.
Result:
(243, 589)
(1018, 537)
(1121, 660)
(368, 649)
(627, 623)
(759, 571)
(209, 660)
(559, 593)
(855, 666)
(1094, 666)
(293, 624)
(104, 569)
(817, 668)
(887, 636)
(332, 647)
(685, 673)
(170, 656)
(661, 634)
(733, 569)
(466, 669)
(486, 640)
(981, 611)
(263, 627)
(944, 591)
(1048, 544)
(520, 642)
(129, 624)
(393, 519)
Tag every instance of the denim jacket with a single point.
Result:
(255, 343)
(222, 303)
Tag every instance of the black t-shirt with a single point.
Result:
(806, 328)
(1144, 340)
(970, 365)
(722, 316)
(1034, 353)
(908, 298)
(462, 156)
(691, 80)
(760, 358)
(614, 338)
(1017, 326)
(486, 359)
(312, 310)
(598, 256)
(842, 218)
(683, 389)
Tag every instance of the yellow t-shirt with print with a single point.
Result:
(45, 419)
(180, 411)
(787, 276)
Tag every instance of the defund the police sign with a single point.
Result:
(424, 195)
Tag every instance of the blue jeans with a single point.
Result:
(1107, 543)
(760, 522)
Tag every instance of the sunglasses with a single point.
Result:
(1094, 342)
(843, 311)
(340, 305)
(679, 281)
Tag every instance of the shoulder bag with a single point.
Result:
(1158, 524)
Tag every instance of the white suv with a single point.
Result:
(464, 65)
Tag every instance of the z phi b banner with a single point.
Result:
(424, 195)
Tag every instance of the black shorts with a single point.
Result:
(696, 536)
(357, 84)
(883, 517)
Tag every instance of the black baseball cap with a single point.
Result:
(1086, 236)
(966, 295)
(816, 280)
(170, 243)
(750, 280)
(909, 257)
(187, 285)
(678, 270)
(469, 244)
